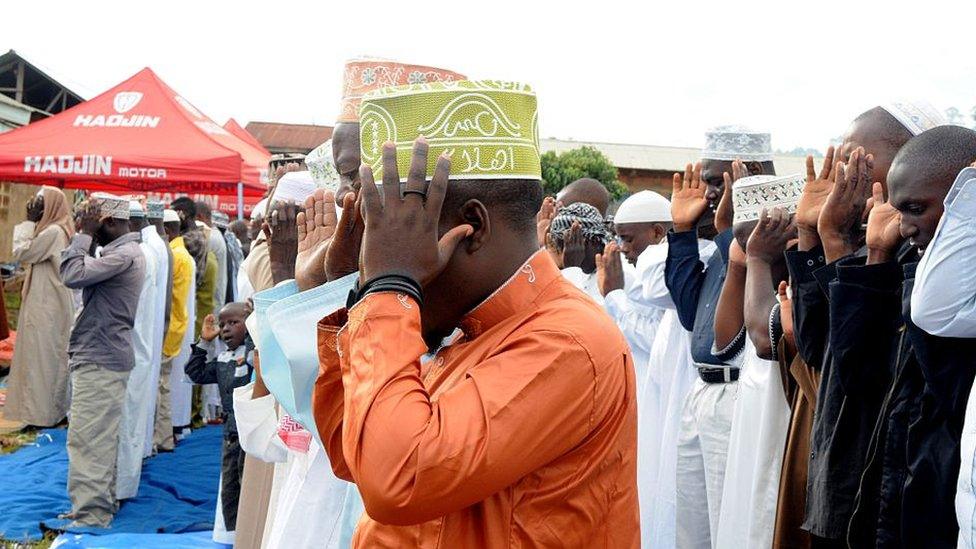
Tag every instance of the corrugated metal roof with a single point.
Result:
(655, 157)
(289, 138)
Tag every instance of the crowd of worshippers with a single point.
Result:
(410, 345)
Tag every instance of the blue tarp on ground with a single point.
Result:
(193, 540)
(177, 493)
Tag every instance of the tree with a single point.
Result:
(562, 169)
(953, 116)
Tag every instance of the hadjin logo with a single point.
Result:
(122, 103)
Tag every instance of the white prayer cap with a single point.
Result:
(112, 206)
(294, 187)
(737, 143)
(916, 116)
(750, 195)
(257, 212)
(135, 209)
(643, 207)
(170, 216)
(322, 167)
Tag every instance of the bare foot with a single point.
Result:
(316, 227)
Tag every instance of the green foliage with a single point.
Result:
(561, 170)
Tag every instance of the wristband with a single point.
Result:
(386, 283)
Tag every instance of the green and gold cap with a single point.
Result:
(489, 128)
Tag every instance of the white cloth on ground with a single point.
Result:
(760, 423)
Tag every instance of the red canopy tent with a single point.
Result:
(138, 137)
(236, 129)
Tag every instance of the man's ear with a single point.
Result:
(474, 213)
(755, 168)
(660, 231)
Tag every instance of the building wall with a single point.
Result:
(13, 210)
(641, 180)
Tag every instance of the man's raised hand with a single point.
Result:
(316, 227)
(400, 235)
(688, 202)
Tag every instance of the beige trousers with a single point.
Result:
(97, 395)
(163, 429)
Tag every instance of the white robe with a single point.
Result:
(283, 328)
(139, 392)
(760, 423)
(309, 501)
(161, 251)
(588, 282)
(217, 245)
(180, 386)
(667, 380)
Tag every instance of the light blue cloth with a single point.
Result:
(274, 366)
(288, 345)
(288, 341)
(293, 321)
(944, 295)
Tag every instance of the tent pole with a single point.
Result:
(240, 200)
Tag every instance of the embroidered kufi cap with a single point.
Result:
(321, 165)
(364, 75)
(916, 116)
(750, 195)
(489, 128)
(737, 143)
(111, 205)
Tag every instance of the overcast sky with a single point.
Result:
(655, 72)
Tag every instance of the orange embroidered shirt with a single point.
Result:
(521, 433)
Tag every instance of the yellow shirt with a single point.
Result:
(179, 317)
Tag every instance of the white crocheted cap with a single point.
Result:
(737, 143)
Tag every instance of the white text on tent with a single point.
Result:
(86, 164)
(116, 121)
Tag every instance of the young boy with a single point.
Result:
(230, 369)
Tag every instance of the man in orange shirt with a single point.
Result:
(519, 430)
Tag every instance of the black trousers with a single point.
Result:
(232, 469)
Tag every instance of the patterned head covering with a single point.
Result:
(488, 127)
(750, 195)
(364, 75)
(111, 206)
(916, 116)
(154, 209)
(593, 225)
(321, 165)
(737, 143)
